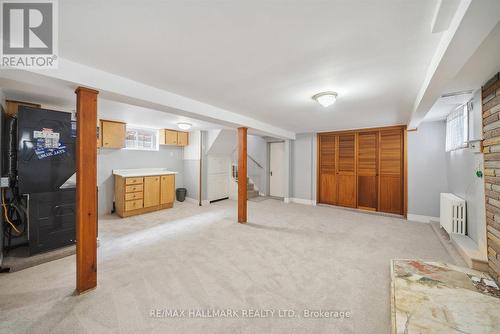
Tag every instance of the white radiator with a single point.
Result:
(452, 213)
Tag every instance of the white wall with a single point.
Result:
(108, 159)
(170, 157)
(427, 168)
(303, 167)
(463, 182)
(191, 165)
(431, 170)
(192, 151)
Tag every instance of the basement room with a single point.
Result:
(250, 166)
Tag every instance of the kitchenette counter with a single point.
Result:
(143, 190)
(135, 172)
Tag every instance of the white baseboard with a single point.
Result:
(192, 200)
(303, 201)
(286, 199)
(195, 201)
(422, 218)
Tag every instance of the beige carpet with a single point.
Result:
(290, 257)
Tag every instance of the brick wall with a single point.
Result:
(491, 143)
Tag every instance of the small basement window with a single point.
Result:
(457, 128)
(141, 139)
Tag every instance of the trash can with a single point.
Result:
(181, 194)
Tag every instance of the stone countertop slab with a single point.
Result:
(434, 297)
(136, 172)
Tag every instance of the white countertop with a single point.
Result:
(135, 172)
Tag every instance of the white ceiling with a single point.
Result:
(64, 99)
(483, 64)
(444, 105)
(264, 59)
(144, 117)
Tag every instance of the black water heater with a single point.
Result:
(45, 174)
(45, 150)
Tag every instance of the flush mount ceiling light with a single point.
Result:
(184, 125)
(326, 99)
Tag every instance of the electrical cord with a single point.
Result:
(5, 213)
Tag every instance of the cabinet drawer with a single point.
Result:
(133, 188)
(131, 196)
(133, 180)
(133, 205)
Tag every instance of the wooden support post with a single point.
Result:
(86, 189)
(242, 175)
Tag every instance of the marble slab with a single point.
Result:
(136, 172)
(433, 297)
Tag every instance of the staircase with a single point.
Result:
(251, 192)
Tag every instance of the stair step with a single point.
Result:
(252, 194)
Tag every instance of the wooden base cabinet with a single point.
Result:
(363, 169)
(137, 195)
(167, 189)
(151, 191)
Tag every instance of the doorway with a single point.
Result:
(218, 175)
(277, 169)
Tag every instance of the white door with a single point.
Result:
(218, 177)
(277, 169)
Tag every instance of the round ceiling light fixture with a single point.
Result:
(184, 125)
(326, 99)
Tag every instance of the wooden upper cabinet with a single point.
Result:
(151, 191)
(170, 137)
(167, 189)
(112, 134)
(391, 171)
(173, 137)
(182, 138)
(12, 106)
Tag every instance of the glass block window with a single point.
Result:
(141, 139)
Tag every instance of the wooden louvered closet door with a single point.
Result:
(367, 170)
(391, 171)
(364, 169)
(327, 169)
(346, 170)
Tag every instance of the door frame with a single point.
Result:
(227, 174)
(404, 164)
(269, 167)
